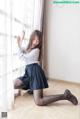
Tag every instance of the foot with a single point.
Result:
(30, 92)
(17, 94)
(70, 97)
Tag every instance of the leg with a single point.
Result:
(41, 101)
(17, 84)
(30, 91)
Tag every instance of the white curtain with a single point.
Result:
(38, 14)
(12, 27)
(6, 84)
(38, 18)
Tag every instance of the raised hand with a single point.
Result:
(20, 39)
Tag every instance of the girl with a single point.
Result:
(34, 77)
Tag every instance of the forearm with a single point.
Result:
(19, 45)
(19, 42)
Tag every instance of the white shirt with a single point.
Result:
(30, 57)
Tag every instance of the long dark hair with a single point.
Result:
(39, 35)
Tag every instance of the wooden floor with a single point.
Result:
(25, 107)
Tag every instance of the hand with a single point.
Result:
(19, 39)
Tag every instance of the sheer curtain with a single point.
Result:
(38, 14)
(15, 16)
(5, 56)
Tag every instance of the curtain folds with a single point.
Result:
(38, 14)
(37, 24)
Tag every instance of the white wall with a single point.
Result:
(62, 41)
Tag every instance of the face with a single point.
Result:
(35, 41)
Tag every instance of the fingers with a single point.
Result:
(17, 37)
(20, 37)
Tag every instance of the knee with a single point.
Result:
(16, 84)
(39, 102)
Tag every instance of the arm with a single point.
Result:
(32, 54)
(19, 42)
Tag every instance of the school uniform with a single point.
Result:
(34, 77)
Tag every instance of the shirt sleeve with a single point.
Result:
(20, 52)
(30, 55)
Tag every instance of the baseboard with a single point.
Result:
(61, 80)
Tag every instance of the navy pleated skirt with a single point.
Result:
(34, 77)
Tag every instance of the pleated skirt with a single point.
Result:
(34, 77)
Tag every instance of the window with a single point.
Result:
(15, 16)
(22, 19)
